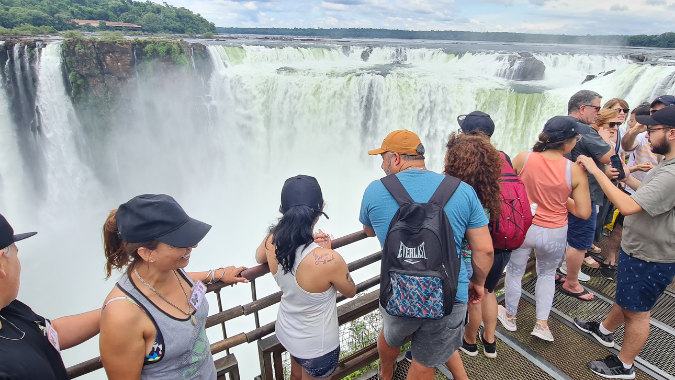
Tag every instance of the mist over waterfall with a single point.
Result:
(222, 132)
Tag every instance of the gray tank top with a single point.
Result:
(181, 350)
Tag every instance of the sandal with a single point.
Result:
(577, 295)
(559, 278)
(591, 262)
(595, 249)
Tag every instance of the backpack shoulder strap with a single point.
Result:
(396, 189)
(445, 191)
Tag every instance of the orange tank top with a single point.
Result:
(548, 184)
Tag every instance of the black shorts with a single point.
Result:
(619, 220)
(502, 258)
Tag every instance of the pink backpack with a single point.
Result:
(508, 232)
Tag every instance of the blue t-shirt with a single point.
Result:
(464, 211)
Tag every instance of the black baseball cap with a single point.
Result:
(664, 116)
(302, 190)
(158, 217)
(668, 100)
(561, 128)
(476, 121)
(7, 236)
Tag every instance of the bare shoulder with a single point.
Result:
(325, 256)
(122, 313)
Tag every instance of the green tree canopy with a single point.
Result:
(154, 18)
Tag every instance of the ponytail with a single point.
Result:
(119, 253)
(293, 230)
(545, 144)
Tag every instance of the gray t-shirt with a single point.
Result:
(593, 146)
(649, 235)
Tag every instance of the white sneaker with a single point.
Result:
(508, 323)
(583, 277)
(542, 333)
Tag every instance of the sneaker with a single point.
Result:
(408, 356)
(611, 368)
(593, 328)
(608, 271)
(489, 349)
(583, 277)
(469, 349)
(542, 333)
(508, 323)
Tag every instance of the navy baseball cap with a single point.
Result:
(302, 190)
(7, 236)
(158, 217)
(561, 128)
(664, 116)
(668, 100)
(476, 121)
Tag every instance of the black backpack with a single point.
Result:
(420, 266)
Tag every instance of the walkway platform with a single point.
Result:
(522, 356)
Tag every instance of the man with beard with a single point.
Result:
(647, 256)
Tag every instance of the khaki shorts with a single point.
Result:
(434, 341)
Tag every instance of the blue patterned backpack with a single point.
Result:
(420, 266)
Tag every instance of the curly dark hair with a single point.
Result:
(475, 161)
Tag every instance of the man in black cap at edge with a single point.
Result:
(647, 256)
(480, 123)
(29, 343)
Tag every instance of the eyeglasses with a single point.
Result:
(597, 108)
(614, 124)
(650, 130)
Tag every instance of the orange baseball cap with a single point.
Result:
(401, 142)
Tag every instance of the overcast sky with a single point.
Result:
(531, 16)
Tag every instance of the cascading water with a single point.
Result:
(223, 147)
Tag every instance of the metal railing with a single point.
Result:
(228, 364)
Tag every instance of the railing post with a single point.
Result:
(254, 296)
(220, 310)
(265, 363)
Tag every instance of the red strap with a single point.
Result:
(506, 167)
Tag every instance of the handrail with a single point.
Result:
(251, 274)
(262, 269)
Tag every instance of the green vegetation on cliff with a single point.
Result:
(665, 40)
(52, 15)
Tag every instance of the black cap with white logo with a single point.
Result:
(668, 100)
(561, 128)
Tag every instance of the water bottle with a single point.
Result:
(533, 207)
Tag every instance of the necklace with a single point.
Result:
(414, 168)
(193, 318)
(23, 333)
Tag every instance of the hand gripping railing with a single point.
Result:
(228, 364)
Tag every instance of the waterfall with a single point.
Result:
(224, 147)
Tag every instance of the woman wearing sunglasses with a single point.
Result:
(620, 106)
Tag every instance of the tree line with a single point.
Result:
(57, 15)
(666, 40)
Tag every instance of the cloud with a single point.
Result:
(618, 8)
(655, 2)
(334, 6)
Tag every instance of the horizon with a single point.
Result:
(556, 17)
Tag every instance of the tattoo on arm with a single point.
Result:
(349, 280)
(323, 258)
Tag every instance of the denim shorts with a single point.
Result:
(640, 283)
(580, 232)
(321, 367)
(434, 341)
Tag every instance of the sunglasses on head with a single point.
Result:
(613, 124)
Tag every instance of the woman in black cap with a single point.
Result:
(550, 180)
(158, 330)
(309, 276)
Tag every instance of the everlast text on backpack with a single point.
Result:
(420, 265)
(508, 232)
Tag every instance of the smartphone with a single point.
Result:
(618, 165)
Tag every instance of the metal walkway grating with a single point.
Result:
(570, 352)
(658, 350)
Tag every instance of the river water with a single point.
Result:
(271, 109)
